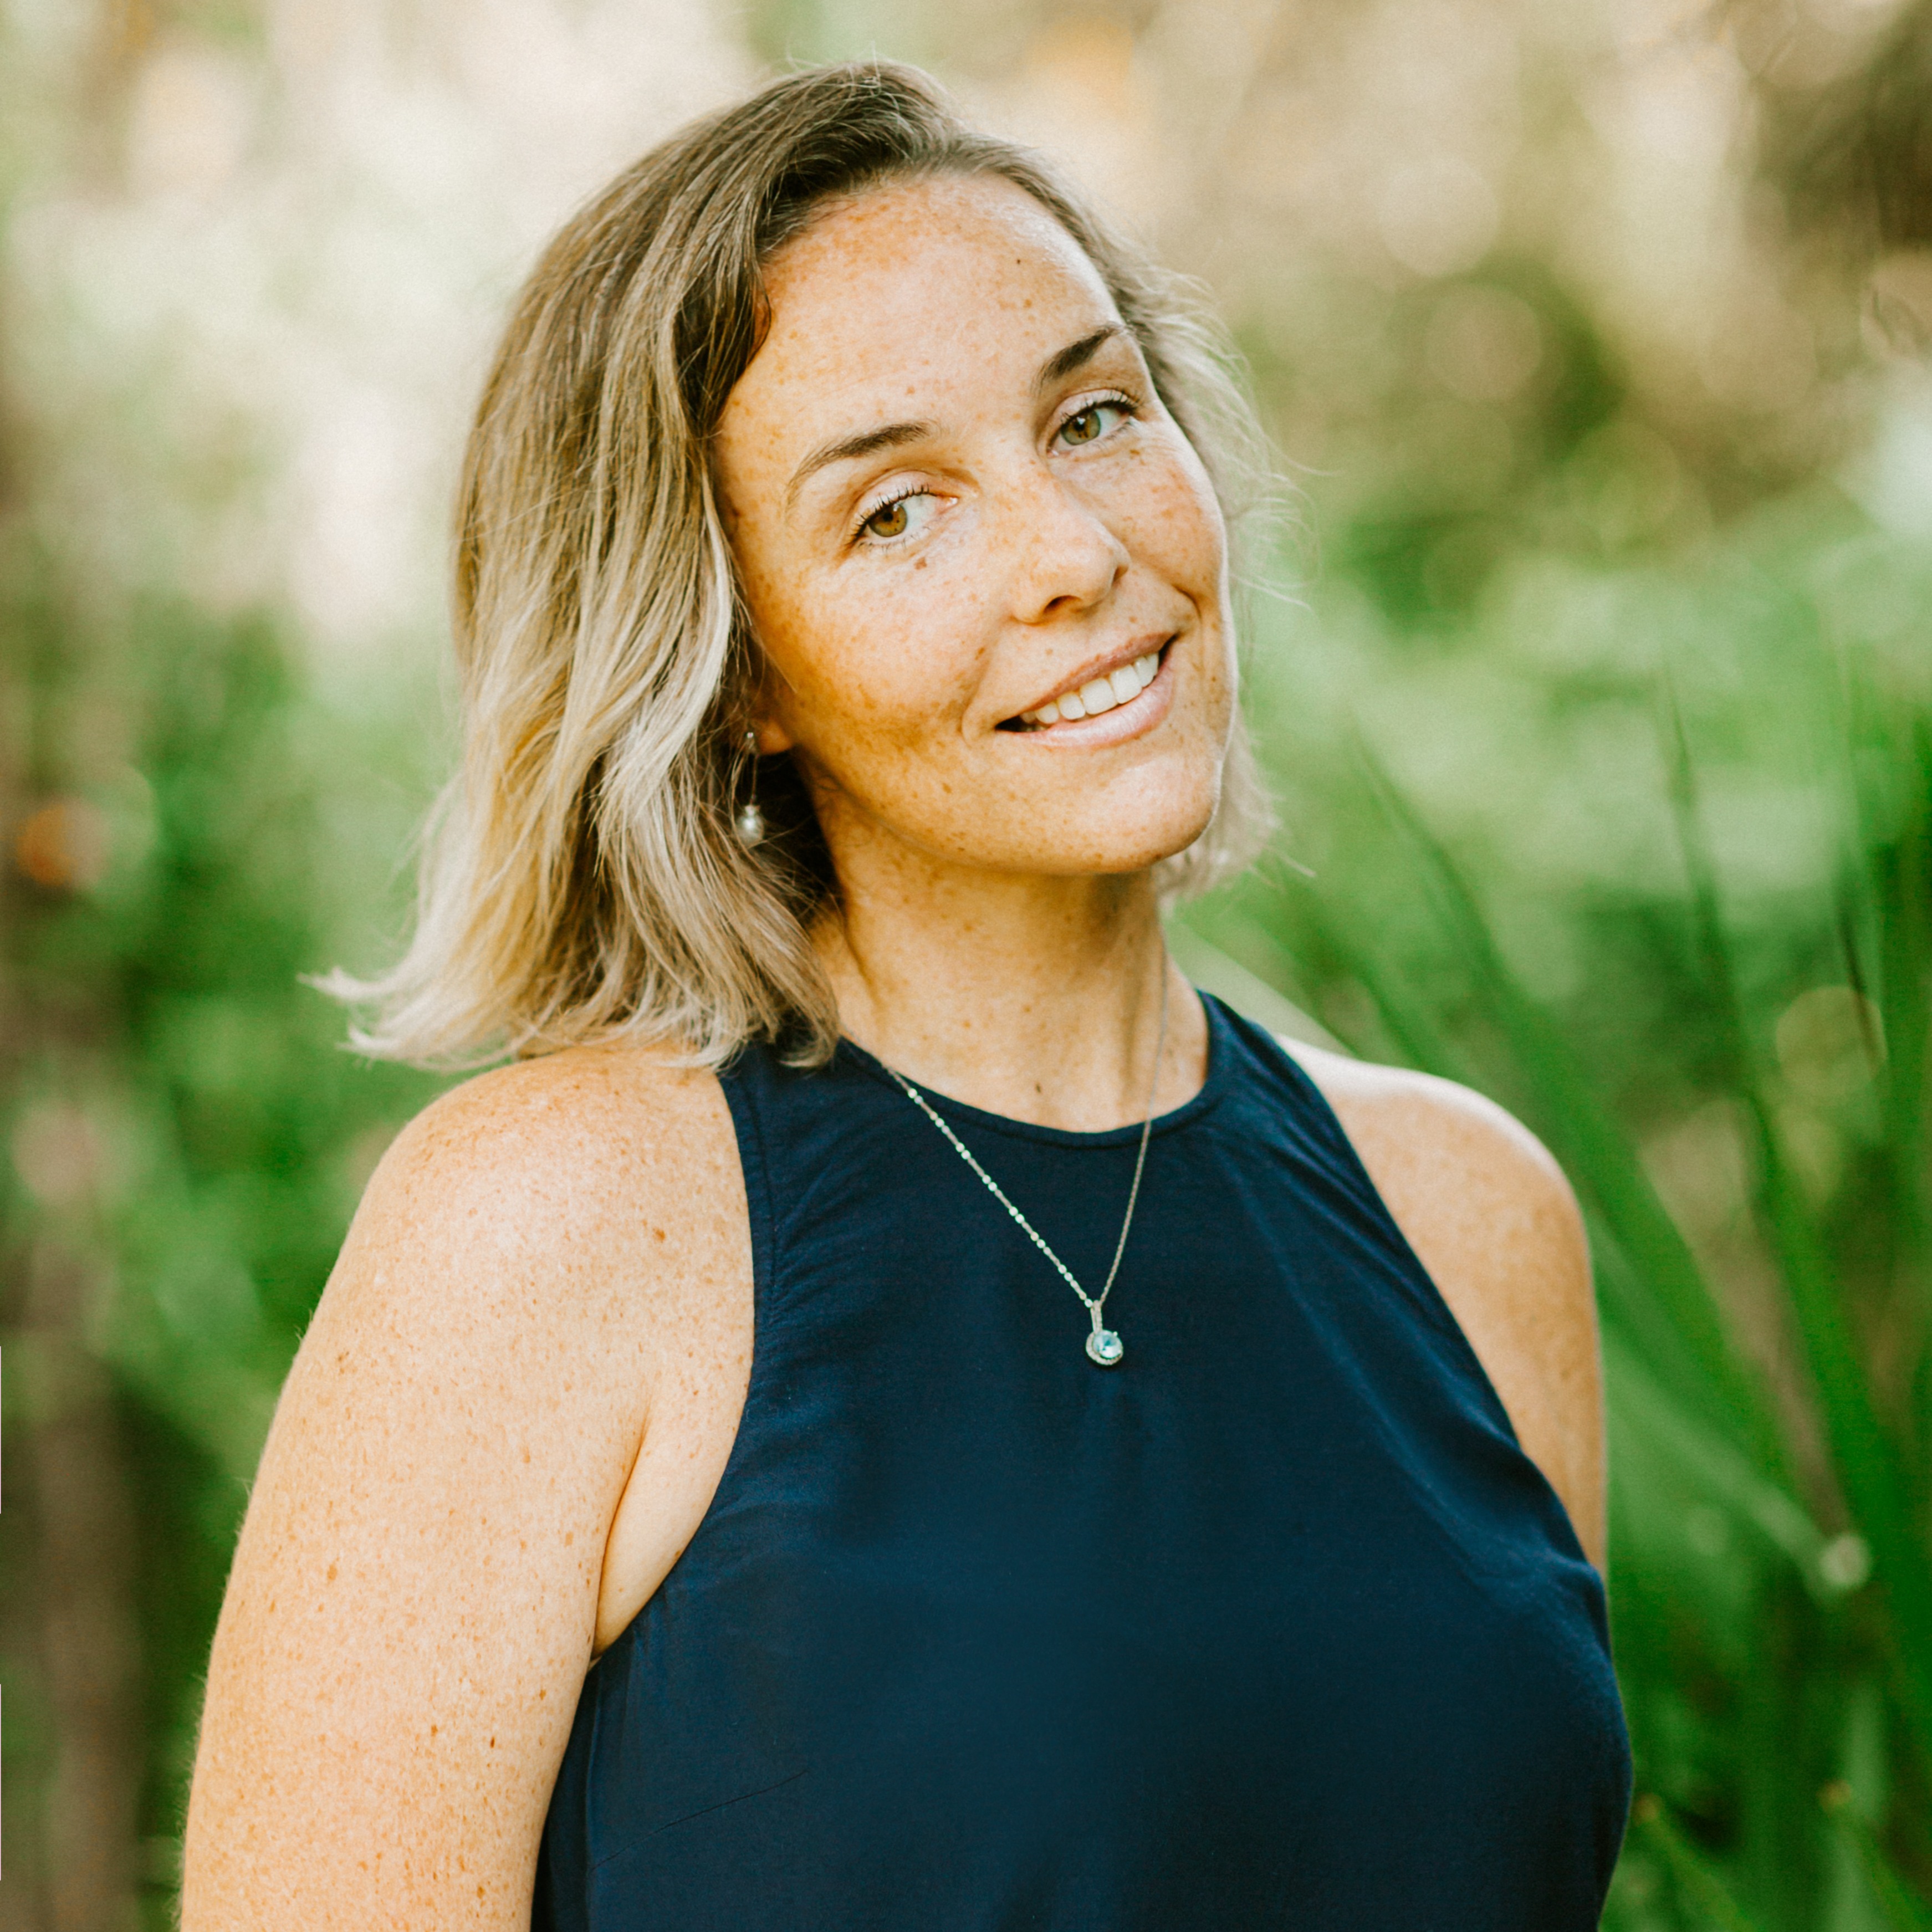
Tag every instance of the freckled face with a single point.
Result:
(985, 567)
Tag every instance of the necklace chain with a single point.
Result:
(1103, 1346)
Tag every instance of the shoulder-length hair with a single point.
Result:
(581, 879)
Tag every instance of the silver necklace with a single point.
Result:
(1105, 1349)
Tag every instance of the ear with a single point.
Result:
(764, 711)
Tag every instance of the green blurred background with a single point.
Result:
(1590, 664)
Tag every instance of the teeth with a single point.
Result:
(1101, 693)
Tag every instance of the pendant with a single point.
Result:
(1105, 1349)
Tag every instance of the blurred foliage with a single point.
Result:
(1592, 672)
(188, 1139)
(1658, 874)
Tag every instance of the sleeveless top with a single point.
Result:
(1273, 1623)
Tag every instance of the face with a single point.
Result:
(985, 568)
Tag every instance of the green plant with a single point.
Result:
(1767, 1352)
(187, 1140)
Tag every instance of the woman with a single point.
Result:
(892, 1411)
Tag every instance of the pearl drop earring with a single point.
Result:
(749, 823)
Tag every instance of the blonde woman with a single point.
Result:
(892, 1411)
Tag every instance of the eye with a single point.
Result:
(897, 517)
(1095, 420)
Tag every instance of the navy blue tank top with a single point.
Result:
(1272, 1625)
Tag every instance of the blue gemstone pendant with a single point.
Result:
(1105, 1349)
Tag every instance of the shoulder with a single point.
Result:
(1448, 1155)
(562, 1132)
(544, 1261)
(557, 1161)
(1491, 1216)
(1419, 1129)
(552, 1229)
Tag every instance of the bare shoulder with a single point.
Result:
(575, 1130)
(566, 1161)
(1490, 1215)
(573, 1210)
(1432, 1120)
(549, 1271)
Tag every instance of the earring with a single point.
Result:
(749, 822)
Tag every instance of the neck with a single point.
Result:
(1037, 997)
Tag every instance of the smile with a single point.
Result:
(1106, 692)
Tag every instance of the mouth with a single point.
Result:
(1107, 689)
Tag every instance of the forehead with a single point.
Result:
(941, 281)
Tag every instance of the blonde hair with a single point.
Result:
(581, 879)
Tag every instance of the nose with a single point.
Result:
(1066, 558)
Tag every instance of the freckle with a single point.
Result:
(433, 1729)
(569, 1538)
(657, 1234)
(920, 565)
(331, 1572)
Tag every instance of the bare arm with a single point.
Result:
(1491, 1218)
(414, 1598)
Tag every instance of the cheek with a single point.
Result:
(891, 655)
(1174, 525)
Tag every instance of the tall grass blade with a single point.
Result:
(1904, 1911)
(1867, 1467)
(1695, 1876)
(1727, 1474)
(1894, 859)
(1897, 851)
(1663, 1278)
(1407, 1020)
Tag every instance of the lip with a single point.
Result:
(1115, 660)
(1124, 721)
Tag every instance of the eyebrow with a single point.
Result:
(1075, 355)
(849, 448)
(893, 436)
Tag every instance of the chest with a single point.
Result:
(1298, 1477)
(1274, 1619)
(1288, 1626)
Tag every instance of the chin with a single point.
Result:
(1067, 830)
(1135, 847)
